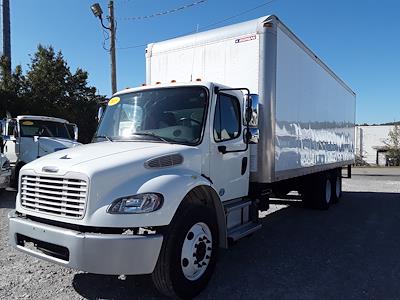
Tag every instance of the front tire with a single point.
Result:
(189, 252)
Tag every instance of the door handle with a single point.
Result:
(222, 149)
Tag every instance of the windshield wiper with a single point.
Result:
(104, 137)
(150, 134)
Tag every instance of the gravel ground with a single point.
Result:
(350, 252)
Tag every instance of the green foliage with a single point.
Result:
(393, 145)
(49, 88)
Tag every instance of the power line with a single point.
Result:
(207, 26)
(237, 15)
(166, 12)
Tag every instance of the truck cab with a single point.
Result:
(159, 152)
(27, 137)
(207, 119)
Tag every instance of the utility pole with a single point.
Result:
(98, 13)
(112, 48)
(6, 32)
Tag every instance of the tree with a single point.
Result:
(11, 88)
(393, 145)
(50, 88)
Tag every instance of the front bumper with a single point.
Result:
(5, 177)
(97, 253)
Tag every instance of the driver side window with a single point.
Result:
(227, 118)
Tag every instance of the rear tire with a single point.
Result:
(318, 191)
(336, 185)
(189, 252)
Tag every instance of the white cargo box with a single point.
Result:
(307, 113)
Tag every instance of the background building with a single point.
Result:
(370, 143)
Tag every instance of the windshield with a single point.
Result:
(170, 114)
(30, 128)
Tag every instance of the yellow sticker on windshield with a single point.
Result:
(29, 123)
(113, 101)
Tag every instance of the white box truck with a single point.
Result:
(183, 165)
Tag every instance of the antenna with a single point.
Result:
(194, 51)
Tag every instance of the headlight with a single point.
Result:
(137, 204)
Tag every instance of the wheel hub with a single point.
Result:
(200, 251)
(196, 251)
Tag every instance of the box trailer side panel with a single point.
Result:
(314, 112)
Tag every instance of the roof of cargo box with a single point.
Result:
(210, 36)
(233, 31)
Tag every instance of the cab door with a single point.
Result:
(229, 171)
(11, 141)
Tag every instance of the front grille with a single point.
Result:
(54, 195)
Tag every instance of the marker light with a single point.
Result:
(173, 81)
(198, 79)
(136, 204)
(158, 82)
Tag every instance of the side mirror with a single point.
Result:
(76, 132)
(251, 110)
(252, 135)
(248, 112)
(100, 113)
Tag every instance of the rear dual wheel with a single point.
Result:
(322, 189)
(337, 186)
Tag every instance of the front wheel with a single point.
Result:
(189, 252)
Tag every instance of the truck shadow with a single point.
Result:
(349, 251)
(92, 286)
(7, 199)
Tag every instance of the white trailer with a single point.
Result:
(183, 165)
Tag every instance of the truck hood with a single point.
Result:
(97, 157)
(49, 144)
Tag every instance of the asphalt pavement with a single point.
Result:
(350, 251)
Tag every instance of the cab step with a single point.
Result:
(241, 218)
(243, 230)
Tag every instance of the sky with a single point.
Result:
(358, 39)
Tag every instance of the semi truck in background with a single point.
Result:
(26, 138)
(183, 165)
